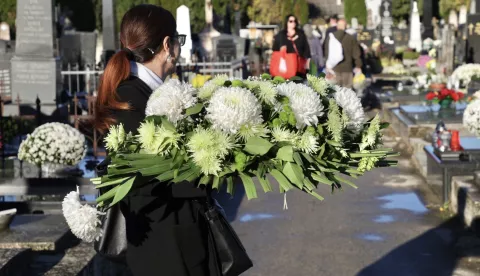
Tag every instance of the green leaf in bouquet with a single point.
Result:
(298, 159)
(168, 125)
(257, 146)
(188, 175)
(264, 182)
(317, 196)
(333, 143)
(107, 195)
(155, 170)
(343, 180)
(123, 191)
(153, 161)
(166, 176)
(282, 180)
(308, 185)
(384, 125)
(308, 157)
(249, 185)
(178, 161)
(112, 182)
(285, 153)
(216, 182)
(134, 156)
(117, 172)
(321, 151)
(230, 185)
(322, 179)
(205, 180)
(194, 109)
(294, 173)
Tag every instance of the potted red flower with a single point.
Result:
(445, 97)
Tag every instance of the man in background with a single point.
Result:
(351, 56)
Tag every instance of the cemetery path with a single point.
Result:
(383, 228)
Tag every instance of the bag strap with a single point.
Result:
(294, 46)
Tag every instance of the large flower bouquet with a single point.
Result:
(466, 72)
(299, 134)
(54, 143)
(471, 115)
(445, 97)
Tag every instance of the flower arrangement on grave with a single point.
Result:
(471, 115)
(299, 134)
(444, 97)
(53, 143)
(466, 73)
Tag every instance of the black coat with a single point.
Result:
(165, 231)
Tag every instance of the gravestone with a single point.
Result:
(183, 27)
(4, 31)
(366, 37)
(401, 37)
(209, 32)
(109, 30)
(35, 71)
(427, 19)
(386, 25)
(461, 45)
(228, 47)
(462, 15)
(78, 47)
(473, 38)
(415, 41)
(373, 13)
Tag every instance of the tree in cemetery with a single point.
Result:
(447, 5)
(301, 11)
(287, 8)
(401, 9)
(81, 13)
(356, 8)
(8, 10)
(265, 11)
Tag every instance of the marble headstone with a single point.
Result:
(183, 27)
(78, 47)
(473, 38)
(462, 15)
(415, 40)
(387, 24)
(373, 13)
(35, 71)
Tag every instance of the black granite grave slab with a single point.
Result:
(12, 261)
(420, 114)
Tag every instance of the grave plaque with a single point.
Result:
(35, 32)
(473, 38)
(78, 47)
(228, 47)
(35, 71)
(386, 25)
(401, 37)
(366, 37)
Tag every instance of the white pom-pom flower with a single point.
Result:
(304, 101)
(471, 117)
(171, 99)
(233, 108)
(82, 219)
(348, 100)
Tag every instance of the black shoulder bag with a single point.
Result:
(230, 253)
(113, 242)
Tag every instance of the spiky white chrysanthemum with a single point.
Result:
(280, 134)
(264, 90)
(82, 219)
(208, 148)
(220, 79)
(320, 85)
(232, 108)
(305, 103)
(157, 139)
(471, 117)
(207, 90)
(350, 103)
(307, 143)
(476, 95)
(171, 99)
(115, 138)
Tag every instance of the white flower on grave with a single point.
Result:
(171, 99)
(53, 142)
(82, 219)
(304, 101)
(466, 72)
(471, 117)
(233, 108)
(348, 100)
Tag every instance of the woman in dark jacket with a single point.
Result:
(164, 228)
(294, 40)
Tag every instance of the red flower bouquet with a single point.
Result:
(445, 97)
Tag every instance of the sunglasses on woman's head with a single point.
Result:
(181, 38)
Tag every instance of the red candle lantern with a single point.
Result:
(455, 142)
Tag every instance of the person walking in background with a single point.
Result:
(293, 39)
(332, 25)
(316, 52)
(351, 56)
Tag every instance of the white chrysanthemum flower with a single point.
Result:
(304, 101)
(232, 108)
(265, 90)
(220, 79)
(56, 143)
(321, 85)
(284, 135)
(207, 90)
(115, 138)
(476, 95)
(348, 100)
(171, 99)
(208, 148)
(307, 143)
(471, 117)
(466, 72)
(82, 219)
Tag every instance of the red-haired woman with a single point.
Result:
(165, 233)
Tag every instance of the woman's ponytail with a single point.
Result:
(117, 70)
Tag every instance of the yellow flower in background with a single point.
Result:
(431, 64)
(199, 80)
(359, 79)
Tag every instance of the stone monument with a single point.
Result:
(4, 31)
(35, 69)
(462, 15)
(183, 27)
(387, 24)
(110, 36)
(209, 31)
(453, 18)
(473, 35)
(373, 11)
(427, 19)
(237, 15)
(415, 41)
